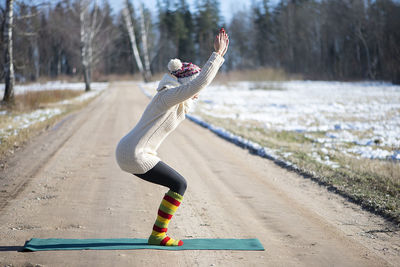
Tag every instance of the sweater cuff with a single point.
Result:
(216, 57)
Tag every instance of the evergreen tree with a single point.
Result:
(122, 60)
(321, 39)
(207, 26)
(186, 45)
(241, 54)
(262, 39)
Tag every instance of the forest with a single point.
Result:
(320, 40)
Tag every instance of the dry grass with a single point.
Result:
(12, 143)
(96, 77)
(388, 170)
(26, 103)
(63, 78)
(157, 76)
(117, 77)
(32, 100)
(375, 184)
(372, 183)
(256, 75)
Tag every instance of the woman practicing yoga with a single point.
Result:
(136, 151)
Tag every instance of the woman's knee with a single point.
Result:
(184, 184)
(181, 186)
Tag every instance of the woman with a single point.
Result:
(136, 151)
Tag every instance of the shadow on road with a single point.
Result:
(12, 248)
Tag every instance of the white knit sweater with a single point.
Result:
(136, 151)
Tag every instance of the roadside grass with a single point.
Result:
(14, 135)
(157, 76)
(61, 77)
(256, 75)
(375, 184)
(32, 100)
(266, 86)
(117, 77)
(96, 77)
(11, 143)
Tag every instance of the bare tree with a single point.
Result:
(91, 27)
(8, 53)
(359, 30)
(34, 40)
(87, 32)
(131, 33)
(143, 35)
(26, 29)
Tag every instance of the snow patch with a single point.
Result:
(27, 119)
(55, 85)
(360, 113)
(371, 153)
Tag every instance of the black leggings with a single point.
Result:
(163, 174)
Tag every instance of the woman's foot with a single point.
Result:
(168, 207)
(164, 241)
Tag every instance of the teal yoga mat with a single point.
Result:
(37, 244)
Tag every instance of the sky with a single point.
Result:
(227, 7)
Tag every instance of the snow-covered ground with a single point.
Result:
(360, 119)
(22, 121)
(25, 120)
(54, 85)
(364, 114)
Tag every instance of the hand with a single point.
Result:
(221, 42)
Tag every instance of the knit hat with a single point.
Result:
(184, 71)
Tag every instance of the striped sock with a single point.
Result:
(168, 206)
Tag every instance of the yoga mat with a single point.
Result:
(37, 244)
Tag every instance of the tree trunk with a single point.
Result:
(144, 44)
(58, 61)
(86, 37)
(83, 46)
(36, 59)
(8, 53)
(131, 32)
(364, 42)
(87, 77)
(87, 33)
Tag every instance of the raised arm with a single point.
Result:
(180, 93)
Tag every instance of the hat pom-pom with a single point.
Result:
(174, 65)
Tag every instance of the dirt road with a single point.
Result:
(66, 184)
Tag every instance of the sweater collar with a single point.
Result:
(168, 81)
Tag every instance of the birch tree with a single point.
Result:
(26, 27)
(87, 33)
(131, 32)
(8, 53)
(143, 35)
(91, 28)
